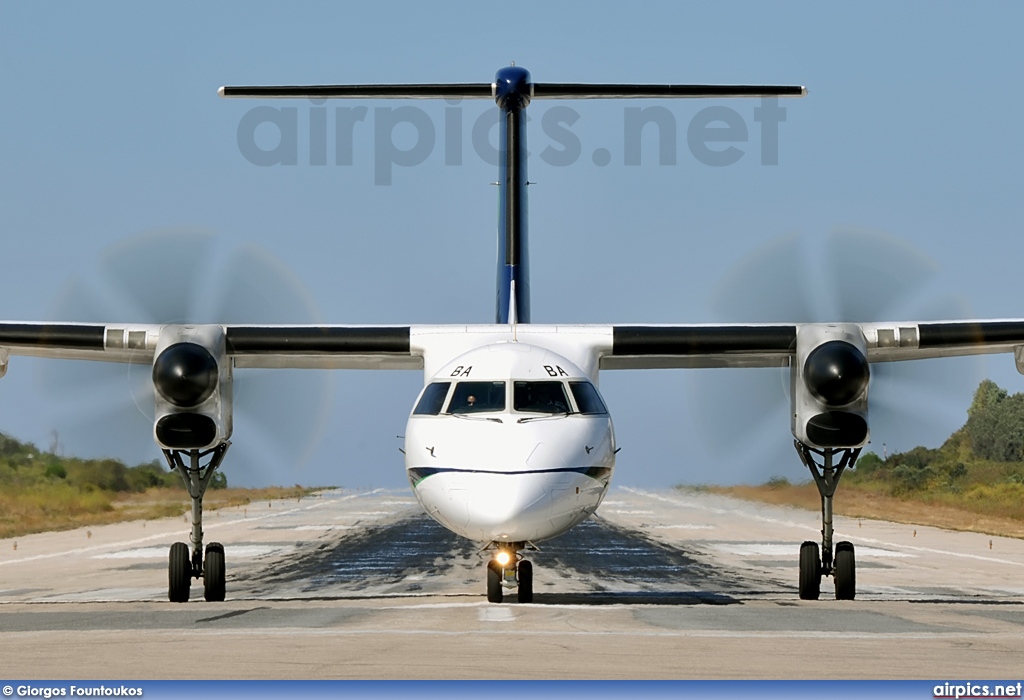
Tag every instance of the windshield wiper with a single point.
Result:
(465, 416)
(527, 419)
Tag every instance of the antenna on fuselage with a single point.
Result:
(513, 316)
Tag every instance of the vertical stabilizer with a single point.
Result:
(512, 92)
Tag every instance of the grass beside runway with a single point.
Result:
(969, 513)
(41, 491)
(25, 512)
(973, 482)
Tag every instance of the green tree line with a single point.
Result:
(983, 459)
(24, 466)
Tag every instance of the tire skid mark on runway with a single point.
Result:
(622, 565)
(401, 553)
(615, 565)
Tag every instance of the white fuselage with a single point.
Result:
(526, 462)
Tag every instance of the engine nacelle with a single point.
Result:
(192, 388)
(829, 380)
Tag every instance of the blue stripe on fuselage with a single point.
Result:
(602, 474)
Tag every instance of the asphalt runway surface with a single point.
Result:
(664, 584)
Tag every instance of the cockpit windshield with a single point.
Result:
(540, 397)
(432, 400)
(587, 398)
(547, 397)
(477, 397)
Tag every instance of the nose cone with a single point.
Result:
(502, 508)
(513, 87)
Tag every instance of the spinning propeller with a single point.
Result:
(850, 275)
(185, 275)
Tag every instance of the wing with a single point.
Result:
(325, 347)
(615, 346)
(654, 347)
(829, 364)
(668, 346)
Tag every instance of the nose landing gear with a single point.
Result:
(507, 569)
(843, 566)
(183, 567)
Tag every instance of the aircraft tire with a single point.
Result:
(493, 582)
(846, 572)
(179, 573)
(525, 582)
(810, 571)
(213, 572)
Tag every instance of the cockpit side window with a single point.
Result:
(477, 397)
(587, 398)
(540, 397)
(432, 400)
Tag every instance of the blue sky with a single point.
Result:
(111, 127)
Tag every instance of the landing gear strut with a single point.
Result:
(507, 569)
(181, 566)
(843, 565)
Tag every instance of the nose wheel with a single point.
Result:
(494, 576)
(506, 569)
(525, 574)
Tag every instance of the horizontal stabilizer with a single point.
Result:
(582, 91)
(441, 91)
(539, 91)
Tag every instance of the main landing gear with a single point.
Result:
(507, 569)
(843, 566)
(182, 566)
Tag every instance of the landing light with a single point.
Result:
(503, 558)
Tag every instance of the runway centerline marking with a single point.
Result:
(495, 613)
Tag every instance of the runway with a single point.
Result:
(665, 584)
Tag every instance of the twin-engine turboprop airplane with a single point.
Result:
(509, 442)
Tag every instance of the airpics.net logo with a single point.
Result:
(973, 691)
(408, 136)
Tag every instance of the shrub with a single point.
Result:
(910, 478)
(868, 462)
(56, 470)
